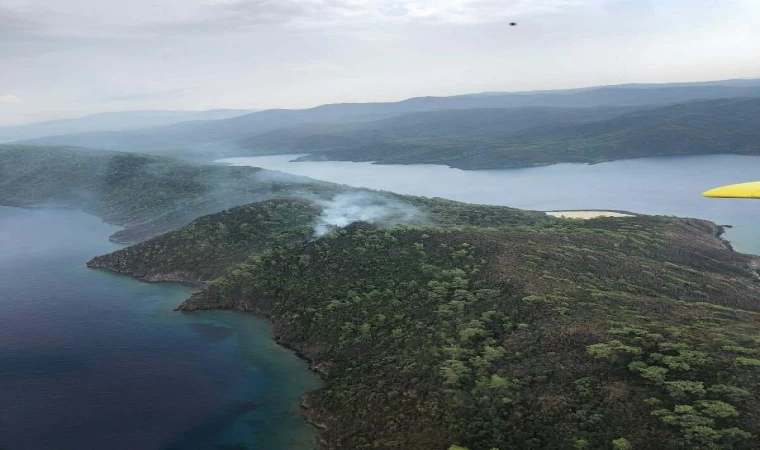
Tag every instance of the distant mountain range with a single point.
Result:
(729, 126)
(112, 121)
(486, 130)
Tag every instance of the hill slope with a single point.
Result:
(209, 246)
(146, 194)
(508, 331)
(482, 124)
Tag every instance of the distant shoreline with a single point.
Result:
(588, 213)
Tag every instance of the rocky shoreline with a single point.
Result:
(312, 415)
(179, 277)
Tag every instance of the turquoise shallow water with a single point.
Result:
(670, 186)
(93, 360)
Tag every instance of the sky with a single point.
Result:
(74, 57)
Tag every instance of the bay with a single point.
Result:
(94, 360)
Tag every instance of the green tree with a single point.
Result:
(621, 444)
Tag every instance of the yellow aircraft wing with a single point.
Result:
(742, 190)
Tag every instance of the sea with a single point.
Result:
(94, 360)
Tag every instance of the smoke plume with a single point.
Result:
(345, 209)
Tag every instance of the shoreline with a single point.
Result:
(323, 156)
(307, 412)
(305, 409)
(585, 214)
(153, 306)
(153, 279)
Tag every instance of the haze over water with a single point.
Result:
(666, 185)
(94, 360)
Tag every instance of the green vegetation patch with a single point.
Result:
(434, 336)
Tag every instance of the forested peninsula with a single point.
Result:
(545, 335)
(440, 324)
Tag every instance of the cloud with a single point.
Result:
(40, 24)
(317, 66)
(144, 18)
(9, 99)
(482, 11)
(234, 15)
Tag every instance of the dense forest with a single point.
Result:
(210, 245)
(207, 247)
(491, 327)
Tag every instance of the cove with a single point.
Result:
(93, 360)
(663, 185)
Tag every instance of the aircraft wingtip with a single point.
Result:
(742, 190)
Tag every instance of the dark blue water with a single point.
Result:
(92, 360)
(669, 186)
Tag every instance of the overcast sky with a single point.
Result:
(62, 58)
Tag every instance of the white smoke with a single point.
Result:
(345, 209)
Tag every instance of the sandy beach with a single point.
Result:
(586, 214)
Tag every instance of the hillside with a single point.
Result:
(700, 127)
(148, 195)
(209, 246)
(483, 124)
(494, 328)
(206, 139)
